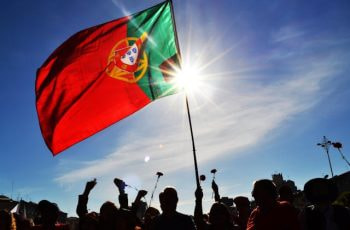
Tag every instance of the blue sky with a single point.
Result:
(275, 79)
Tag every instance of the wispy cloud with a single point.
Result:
(247, 112)
(286, 33)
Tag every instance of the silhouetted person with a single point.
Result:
(49, 214)
(243, 208)
(271, 214)
(7, 221)
(150, 214)
(286, 194)
(22, 223)
(215, 188)
(127, 218)
(170, 219)
(108, 216)
(322, 214)
(219, 215)
(123, 197)
(220, 218)
(87, 221)
(205, 218)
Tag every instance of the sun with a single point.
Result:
(188, 77)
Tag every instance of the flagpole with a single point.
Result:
(193, 145)
(187, 106)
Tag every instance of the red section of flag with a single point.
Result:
(75, 96)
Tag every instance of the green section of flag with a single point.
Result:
(159, 47)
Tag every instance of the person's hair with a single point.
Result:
(108, 207)
(285, 190)
(266, 185)
(219, 209)
(320, 189)
(241, 201)
(151, 211)
(169, 192)
(45, 206)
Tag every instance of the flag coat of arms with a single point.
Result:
(105, 73)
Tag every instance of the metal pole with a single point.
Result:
(193, 145)
(325, 144)
(187, 106)
(329, 160)
(343, 156)
(155, 187)
(338, 146)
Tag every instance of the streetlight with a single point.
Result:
(338, 146)
(325, 144)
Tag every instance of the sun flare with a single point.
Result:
(188, 77)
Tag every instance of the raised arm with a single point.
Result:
(215, 188)
(136, 204)
(198, 209)
(84, 198)
(123, 197)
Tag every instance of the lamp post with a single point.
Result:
(338, 146)
(158, 174)
(325, 145)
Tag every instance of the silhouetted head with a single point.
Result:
(320, 190)
(89, 221)
(219, 215)
(264, 193)
(241, 202)
(108, 216)
(286, 194)
(206, 218)
(108, 211)
(243, 207)
(168, 200)
(49, 212)
(150, 214)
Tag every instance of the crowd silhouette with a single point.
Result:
(272, 209)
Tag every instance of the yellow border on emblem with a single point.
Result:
(121, 74)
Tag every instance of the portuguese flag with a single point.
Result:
(105, 73)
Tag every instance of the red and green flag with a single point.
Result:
(105, 73)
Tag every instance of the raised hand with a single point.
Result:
(142, 193)
(214, 186)
(199, 193)
(89, 186)
(198, 210)
(120, 185)
(137, 200)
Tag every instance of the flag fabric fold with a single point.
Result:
(105, 73)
